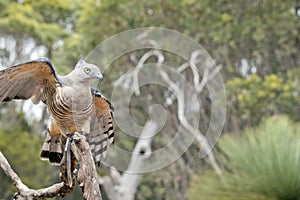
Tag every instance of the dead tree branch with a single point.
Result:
(181, 93)
(87, 176)
(25, 193)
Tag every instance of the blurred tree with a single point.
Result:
(259, 36)
(262, 34)
(44, 21)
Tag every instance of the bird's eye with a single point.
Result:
(87, 70)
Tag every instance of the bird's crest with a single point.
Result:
(80, 62)
(81, 58)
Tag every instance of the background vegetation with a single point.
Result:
(257, 43)
(262, 163)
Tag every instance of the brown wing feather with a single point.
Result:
(102, 133)
(27, 80)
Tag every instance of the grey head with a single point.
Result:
(85, 72)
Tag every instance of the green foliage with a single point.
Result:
(262, 164)
(252, 98)
(292, 107)
(22, 151)
(265, 33)
(44, 21)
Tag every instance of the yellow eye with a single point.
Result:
(87, 70)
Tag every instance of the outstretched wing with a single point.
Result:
(34, 79)
(102, 132)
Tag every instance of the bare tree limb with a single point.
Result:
(25, 193)
(87, 176)
(184, 122)
(180, 94)
(140, 64)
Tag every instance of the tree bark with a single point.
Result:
(87, 175)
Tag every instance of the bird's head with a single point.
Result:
(86, 71)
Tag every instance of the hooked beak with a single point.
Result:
(99, 76)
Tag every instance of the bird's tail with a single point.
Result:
(52, 149)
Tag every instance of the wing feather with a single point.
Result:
(102, 133)
(27, 80)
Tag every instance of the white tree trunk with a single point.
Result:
(125, 185)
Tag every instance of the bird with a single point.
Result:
(73, 105)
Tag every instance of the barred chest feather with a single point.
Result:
(72, 109)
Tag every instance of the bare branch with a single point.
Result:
(25, 193)
(183, 67)
(184, 122)
(193, 62)
(12, 175)
(207, 77)
(140, 64)
(208, 74)
(87, 176)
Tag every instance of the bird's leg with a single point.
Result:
(68, 158)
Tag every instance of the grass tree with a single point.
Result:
(263, 163)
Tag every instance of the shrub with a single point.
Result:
(263, 163)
